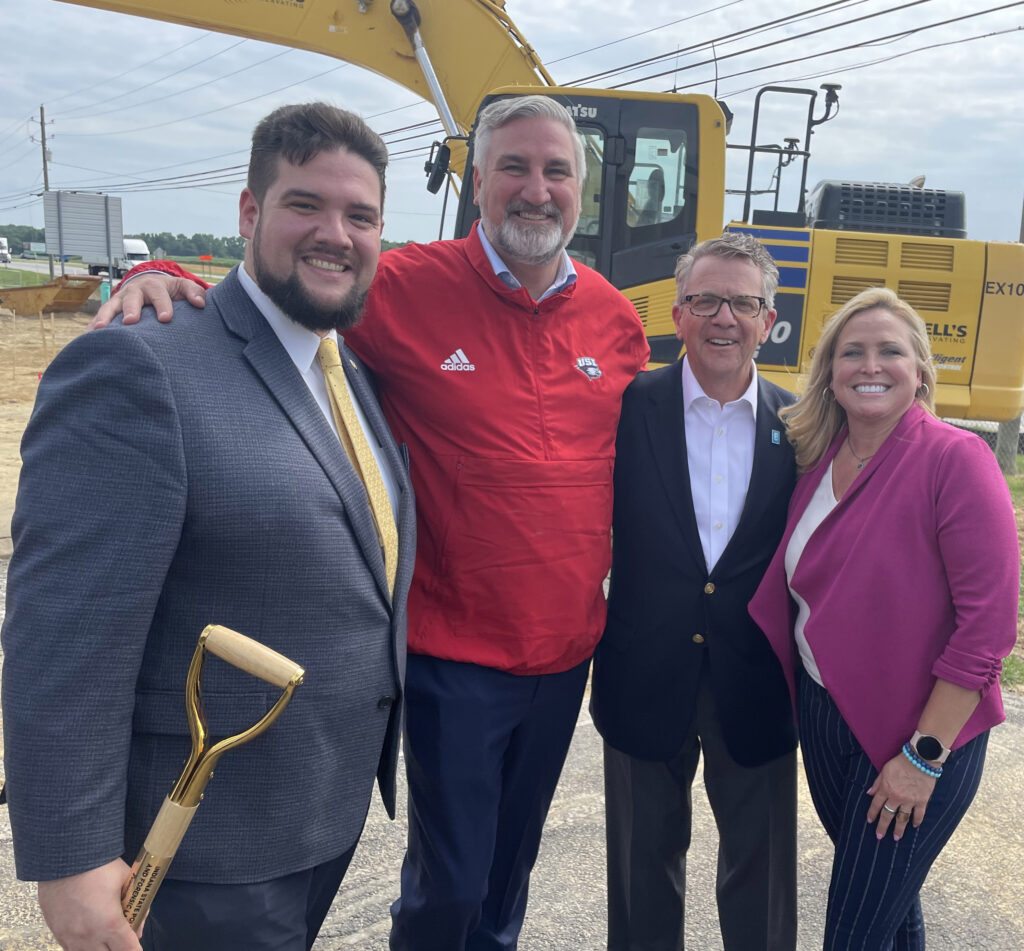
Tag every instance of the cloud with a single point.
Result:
(949, 112)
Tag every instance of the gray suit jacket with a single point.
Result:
(176, 476)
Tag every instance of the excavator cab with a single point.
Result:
(654, 182)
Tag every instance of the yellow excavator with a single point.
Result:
(656, 184)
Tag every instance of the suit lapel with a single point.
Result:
(270, 361)
(666, 431)
(771, 457)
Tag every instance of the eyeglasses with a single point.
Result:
(708, 305)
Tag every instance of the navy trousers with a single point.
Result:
(483, 753)
(874, 896)
(283, 914)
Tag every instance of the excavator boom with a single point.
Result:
(474, 45)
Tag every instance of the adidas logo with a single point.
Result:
(458, 361)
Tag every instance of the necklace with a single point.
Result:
(861, 461)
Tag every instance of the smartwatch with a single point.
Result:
(929, 748)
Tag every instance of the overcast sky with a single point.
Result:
(129, 99)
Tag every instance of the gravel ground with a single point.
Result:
(972, 899)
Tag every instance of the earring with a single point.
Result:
(924, 395)
(828, 395)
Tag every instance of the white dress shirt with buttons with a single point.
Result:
(301, 345)
(719, 456)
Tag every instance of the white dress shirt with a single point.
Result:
(719, 456)
(301, 345)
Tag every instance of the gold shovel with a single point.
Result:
(179, 807)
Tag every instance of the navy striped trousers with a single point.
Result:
(874, 899)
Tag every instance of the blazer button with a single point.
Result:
(698, 638)
(709, 588)
(385, 702)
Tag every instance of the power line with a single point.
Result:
(751, 31)
(191, 89)
(155, 59)
(841, 49)
(633, 36)
(871, 62)
(209, 112)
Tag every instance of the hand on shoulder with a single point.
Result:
(155, 288)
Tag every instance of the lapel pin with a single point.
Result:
(776, 438)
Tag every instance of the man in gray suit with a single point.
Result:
(206, 455)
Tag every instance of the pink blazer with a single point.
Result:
(914, 575)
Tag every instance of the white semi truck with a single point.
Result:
(135, 251)
(5, 252)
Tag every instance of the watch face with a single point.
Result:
(928, 747)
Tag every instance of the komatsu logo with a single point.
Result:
(582, 112)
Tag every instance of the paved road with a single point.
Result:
(973, 899)
(41, 265)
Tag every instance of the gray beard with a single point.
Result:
(529, 244)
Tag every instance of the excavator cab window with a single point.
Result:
(656, 190)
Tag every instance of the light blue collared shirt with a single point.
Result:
(566, 271)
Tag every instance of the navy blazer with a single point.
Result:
(668, 615)
(175, 476)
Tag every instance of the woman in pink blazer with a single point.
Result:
(890, 603)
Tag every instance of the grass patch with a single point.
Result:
(1013, 671)
(1013, 666)
(192, 263)
(1016, 484)
(15, 277)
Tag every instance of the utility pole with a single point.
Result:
(46, 173)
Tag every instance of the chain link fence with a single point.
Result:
(1006, 439)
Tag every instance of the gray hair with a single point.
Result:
(733, 245)
(503, 111)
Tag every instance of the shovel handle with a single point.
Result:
(251, 656)
(154, 857)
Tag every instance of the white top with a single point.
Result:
(823, 501)
(301, 345)
(719, 456)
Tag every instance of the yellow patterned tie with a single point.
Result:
(354, 440)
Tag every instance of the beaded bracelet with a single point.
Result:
(911, 754)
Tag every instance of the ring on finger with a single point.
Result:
(889, 809)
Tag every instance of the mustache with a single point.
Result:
(327, 250)
(548, 208)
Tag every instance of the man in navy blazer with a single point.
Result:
(203, 457)
(703, 475)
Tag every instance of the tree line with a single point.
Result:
(173, 246)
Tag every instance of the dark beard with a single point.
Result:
(290, 295)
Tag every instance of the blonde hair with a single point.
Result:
(814, 420)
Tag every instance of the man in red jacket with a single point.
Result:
(501, 365)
